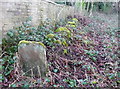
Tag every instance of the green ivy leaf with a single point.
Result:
(47, 80)
(55, 70)
(13, 85)
(94, 59)
(54, 85)
(10, 34)
(94, 82)
(65, 51)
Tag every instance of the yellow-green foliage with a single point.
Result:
(82, 32)
(71, 22)
(64, 43)
(67, 25)
(69, 35)
(62, 29)
(74, 19)
(72, 25)
(65, 51)
(34, 42)
(58, 41)
(50, 35)
(94, 82)
(87, 41)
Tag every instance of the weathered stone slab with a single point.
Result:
(32, 58)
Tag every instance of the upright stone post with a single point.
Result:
(32, 58)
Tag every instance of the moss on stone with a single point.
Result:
(34, 42)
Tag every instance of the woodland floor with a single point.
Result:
(91, 60)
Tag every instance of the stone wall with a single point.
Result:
(14, 12)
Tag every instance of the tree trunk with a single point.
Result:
(88, 4)
(81, 5)
(91, 9)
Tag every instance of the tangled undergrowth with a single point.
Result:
(81, 52)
